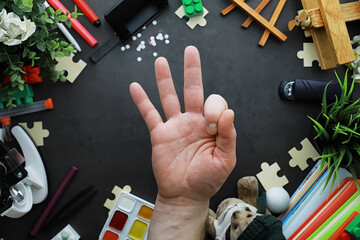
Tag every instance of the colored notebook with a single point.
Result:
(303, 198)
(314, 199)
(340, 231)
(329, 227)
(310, 180)
(336, 199)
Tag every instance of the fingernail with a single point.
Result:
(212, 128)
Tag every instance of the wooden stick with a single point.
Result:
(273, 20)
(258, 9)
(262, 21)
(228, 9)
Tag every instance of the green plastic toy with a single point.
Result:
(192, 7)
(20, 97)
(354, 227)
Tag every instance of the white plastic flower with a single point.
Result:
(13, 30)
(356, 39)
(355, 65)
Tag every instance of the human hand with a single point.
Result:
(192, 152)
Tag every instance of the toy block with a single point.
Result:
(258, 9)
(350, 12)
(336, 31)
(268, 176)
(68, 233)
(308, 54)
(354, 227)
(21, 96)
(37, 133)
(261, 20)
(328, 30)
(192, 8)
(322, 44)
(73, 69)
(109, 203)
(194, 21)
(31, 75)
(272, 21)
(299, 158)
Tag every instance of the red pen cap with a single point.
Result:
(89, 13)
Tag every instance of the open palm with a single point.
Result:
(189, 158)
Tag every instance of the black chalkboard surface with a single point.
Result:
(96, 127)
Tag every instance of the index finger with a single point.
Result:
(147, 110)
(193, 87)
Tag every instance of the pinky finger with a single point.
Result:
(147, 110)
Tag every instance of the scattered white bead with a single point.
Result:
(160, 37)
(154, 22)
(144, 27)
(127, 46)
(122, 48)
(142, 42)
(167, 41)
(139, 59)
(138, 35)
(134, 38)
(166, 36)
(155, 54)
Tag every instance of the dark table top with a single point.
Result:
(96, 127)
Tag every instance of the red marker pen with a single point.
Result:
(74, 23)
(88, 12)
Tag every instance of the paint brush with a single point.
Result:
(79, 201)
(55, 198)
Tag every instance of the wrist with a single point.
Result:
(174, 217)
(181, 202)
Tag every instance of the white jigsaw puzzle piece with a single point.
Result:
(73, 69)
(37, 133)
(268, 176)
(308, 54)
(109, 203)
(193, 21)
(299, 158)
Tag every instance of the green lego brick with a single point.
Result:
(21, 97)
(354, 227)
(192, 8)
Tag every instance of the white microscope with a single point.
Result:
(23, 179)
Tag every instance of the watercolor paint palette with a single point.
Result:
(129, 219)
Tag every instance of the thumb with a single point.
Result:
(214, 106)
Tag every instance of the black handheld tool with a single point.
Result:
(308, 90)
(127, 18)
